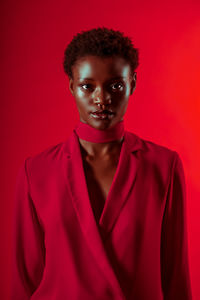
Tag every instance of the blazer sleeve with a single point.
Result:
(174, 246)
(28, 253)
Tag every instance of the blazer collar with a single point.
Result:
(132, 143)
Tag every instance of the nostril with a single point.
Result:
(102, 101)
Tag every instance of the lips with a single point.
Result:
(102, 114)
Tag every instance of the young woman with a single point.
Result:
(101, 215)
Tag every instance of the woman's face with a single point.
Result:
(101, 87)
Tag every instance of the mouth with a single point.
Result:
(103, 114)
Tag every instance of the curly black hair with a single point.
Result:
(102, 42)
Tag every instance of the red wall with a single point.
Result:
(165, 107)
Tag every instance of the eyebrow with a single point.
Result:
(118, 77)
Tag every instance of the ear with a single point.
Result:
(133, 82)
(71, 86)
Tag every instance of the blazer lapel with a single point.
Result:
(76, 181)
(123, 182)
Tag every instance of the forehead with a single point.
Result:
(100, 68)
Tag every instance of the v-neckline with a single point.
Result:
(118, 190)
(96, 206)
(122, 183)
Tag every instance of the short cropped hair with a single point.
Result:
(102, 42)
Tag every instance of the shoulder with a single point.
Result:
(157, 162)
(148, 146)
(153, 153)
(48, 154)
(48, 160)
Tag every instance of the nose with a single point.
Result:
(102, 98)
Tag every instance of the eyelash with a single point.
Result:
(90, 86)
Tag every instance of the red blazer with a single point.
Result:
(138, 248)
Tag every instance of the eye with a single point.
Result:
(86, 86)
(118, 86)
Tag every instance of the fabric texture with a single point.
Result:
(93, 135)
(136, 250)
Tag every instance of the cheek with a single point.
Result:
(124, 107)
(82, 106)
(79, 94)
(82, 98)
(122, 100)
(122, 104)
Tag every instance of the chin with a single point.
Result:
(102, 124)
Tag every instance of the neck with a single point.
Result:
(100, 142)
(99, 150)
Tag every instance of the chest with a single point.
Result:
(99, 174)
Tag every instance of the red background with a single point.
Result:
(36, 103)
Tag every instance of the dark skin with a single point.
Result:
(109, 85)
